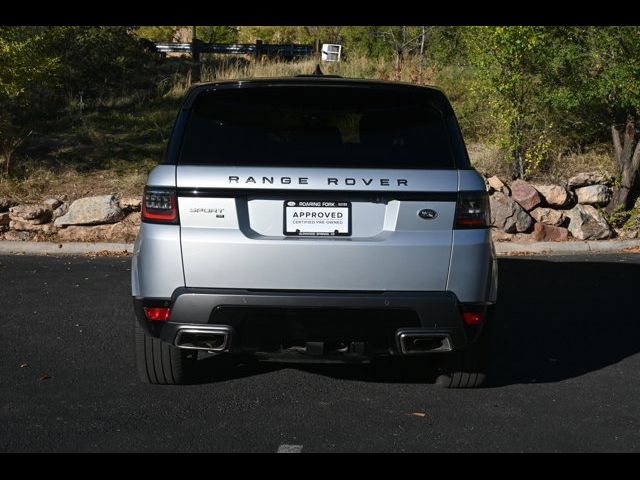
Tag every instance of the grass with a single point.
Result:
(489, 160)
(42, 183)
(111, 145)
(93, 151)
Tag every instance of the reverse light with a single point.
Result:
(159, 206)
(472, 210)
(157, 313)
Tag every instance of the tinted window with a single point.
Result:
(316, 126)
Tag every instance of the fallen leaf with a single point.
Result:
(418, 414)
(44, 376)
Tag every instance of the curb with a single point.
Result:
(51, 248)
(502, 248)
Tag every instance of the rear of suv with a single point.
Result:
(314, 218)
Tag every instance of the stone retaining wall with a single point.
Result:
(104, 218)
(522, 210)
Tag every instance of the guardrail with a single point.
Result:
(258, 49)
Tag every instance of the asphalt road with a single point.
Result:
(565, 374)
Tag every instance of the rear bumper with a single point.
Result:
(434, 314)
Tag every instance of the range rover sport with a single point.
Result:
(314, 218)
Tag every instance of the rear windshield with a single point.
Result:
(315, 126)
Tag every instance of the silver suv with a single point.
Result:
(314, 218)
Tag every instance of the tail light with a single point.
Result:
(472, 210)
(157, 313)
(159, 205)
(473, 314)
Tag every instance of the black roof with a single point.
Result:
(198, 88)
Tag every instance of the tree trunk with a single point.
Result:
(628, 161)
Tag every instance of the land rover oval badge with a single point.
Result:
(427, 214)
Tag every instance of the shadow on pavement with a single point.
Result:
(555, 320)
(559, 320)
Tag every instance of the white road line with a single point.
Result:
(290, 449)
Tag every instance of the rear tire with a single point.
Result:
(159, 363)
(468, 367)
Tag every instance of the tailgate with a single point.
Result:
(233, 226)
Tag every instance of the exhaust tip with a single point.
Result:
(213, 339)
(414, 342)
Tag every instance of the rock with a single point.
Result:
(549, 233)
(524, 193)
(131, 204)
(499, 236)
(133, 218)
(507, 215)
(626, 234)
(4, 218)
(129, 227)
(82, 234)
(25, 225)
(554, 195)
(587, 223)
(37, 213)
(52, 203)
(124, 231)
(49, 229)
(588, 178)
(547, 216)
(6, 203)
(498, 185)
(60, 211)
(92, 211)
(13, 235)
(593, 195)
(636, 205)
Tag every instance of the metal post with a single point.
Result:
(195, 56)
(258, 50)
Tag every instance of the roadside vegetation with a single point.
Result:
(89, 109)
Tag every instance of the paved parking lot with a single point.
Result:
(565, 374)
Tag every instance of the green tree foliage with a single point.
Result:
(217, 34)
(101, 61)
(593, 81)
(166, 33)
(593, 78)
(270, 34)
(508, 60)
(26, 64)
(24, 59)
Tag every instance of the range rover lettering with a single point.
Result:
(314, 218)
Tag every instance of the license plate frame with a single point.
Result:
(317, 206)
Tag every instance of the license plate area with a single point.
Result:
(317, 218)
